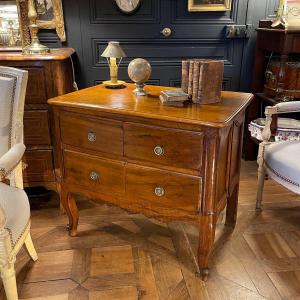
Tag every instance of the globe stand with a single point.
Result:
(140, 89)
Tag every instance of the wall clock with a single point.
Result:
(128, 6)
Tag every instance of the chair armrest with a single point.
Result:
(280, 108)
(11, 159)
(283, 108)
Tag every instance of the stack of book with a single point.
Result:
(202, 80)
(173, 97)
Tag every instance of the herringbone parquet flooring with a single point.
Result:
(118, 256)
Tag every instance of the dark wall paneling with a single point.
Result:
(90, 24)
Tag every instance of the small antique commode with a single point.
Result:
(165, 162)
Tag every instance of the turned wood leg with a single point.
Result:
(206, 241)
(261, 176)
(232, 207)
(260, 187)
(9, 282)
(30, 248)
(68, 201)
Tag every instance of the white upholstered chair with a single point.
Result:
(280, 160)
(14, 204)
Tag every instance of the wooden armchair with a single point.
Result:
(280, 160)
(14, 204)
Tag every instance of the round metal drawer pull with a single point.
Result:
(92, 136)
(159, 191)
(94, 176)
(159, 151)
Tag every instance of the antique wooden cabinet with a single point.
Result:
(165, 162)
(49, 76)
(269, 41)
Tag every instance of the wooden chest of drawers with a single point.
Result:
(165, 162)
(48, 76)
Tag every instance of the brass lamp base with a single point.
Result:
(111, 85)
(36, 48)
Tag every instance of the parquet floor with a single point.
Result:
(118, 256)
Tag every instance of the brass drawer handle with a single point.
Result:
(159, 151)
(159, 191)
(92, 136)
(94, 176)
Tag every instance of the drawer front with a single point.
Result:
(95, 174)
(36, 128)
(39, 166)
(165, 193)
(36, 87)
(98, 135)
(175, 148)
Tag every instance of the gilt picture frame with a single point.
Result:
(14, 25)
(209, 5)
(50, 16)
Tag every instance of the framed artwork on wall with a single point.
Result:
(209, 5)
(14, 30)
(288, 14)
(50, 16)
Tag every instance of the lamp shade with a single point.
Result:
(113, 50)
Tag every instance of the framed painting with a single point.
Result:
(50, 16)
(209, 5)
(288, 14)
(14, 30)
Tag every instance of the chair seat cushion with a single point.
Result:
(15, 204)
(283, 164)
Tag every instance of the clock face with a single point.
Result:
(128, 6)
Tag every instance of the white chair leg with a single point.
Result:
(8, 276)
(261, 178)
(30, 247)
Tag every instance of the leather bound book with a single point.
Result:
(196, 74)
(210, 81)
(191, 76)
(185, 75)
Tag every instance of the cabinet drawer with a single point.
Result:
(39, 166)
(176, 148)
(102, 136)
(165, 193)
(36, 127)
(95, 174)
(36, 88)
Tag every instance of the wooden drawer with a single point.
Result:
(39, 166)
(36, 127)
(176, 148)
(102, 136)
(161, 192)
(36, 88)
(95, 174)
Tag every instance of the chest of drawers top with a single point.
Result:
(100, 100)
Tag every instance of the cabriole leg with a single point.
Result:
(30, 248)
(69, 204)
(206, 241)
(232, 207)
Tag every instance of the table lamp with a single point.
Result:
(113, 53)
